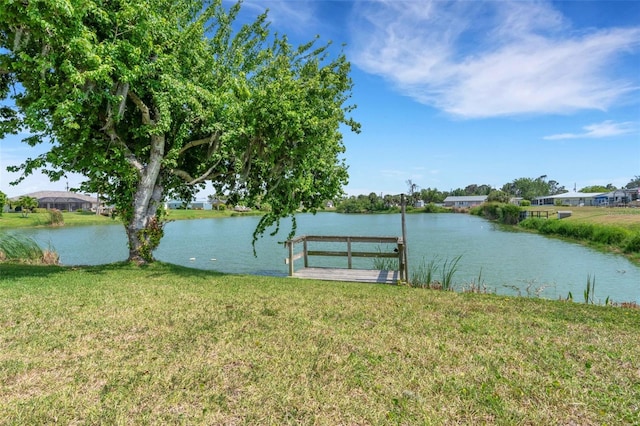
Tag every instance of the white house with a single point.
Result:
(568, 199)
(464, 201)
(62, 200)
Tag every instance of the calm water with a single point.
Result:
(496, 258)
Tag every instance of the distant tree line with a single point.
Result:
(524, 188)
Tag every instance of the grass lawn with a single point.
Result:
(41, 218)
(628, 218)
(117, 344)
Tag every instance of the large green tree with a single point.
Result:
(529, 188)
(3, 201)
(634, 182)
(598, 188)
(154, 98)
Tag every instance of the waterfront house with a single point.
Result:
(62, 200)
(464, 201)
(617, 198)
(576, 199)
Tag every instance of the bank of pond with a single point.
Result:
(457, 251)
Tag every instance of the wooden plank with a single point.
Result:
(353, 253)
(350, 275)
(344, 239)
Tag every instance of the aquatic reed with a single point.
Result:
(19, 248)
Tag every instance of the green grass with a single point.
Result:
(117, 344)
(43, 218)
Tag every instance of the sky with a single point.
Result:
(451, 94)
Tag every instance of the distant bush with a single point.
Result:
(632, 244)
(508, 214)
(55, 217)
(432, 208)
(525, 203)
(3, 201)
(609, 235)
(534, 223)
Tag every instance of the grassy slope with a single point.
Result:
(16, 220)
(165, 345)
(628, 218)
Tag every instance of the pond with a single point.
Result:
(502, 261)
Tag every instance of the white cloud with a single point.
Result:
(599, 130)
(298, 16)
(487, 59)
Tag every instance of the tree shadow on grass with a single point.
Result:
(9, 271)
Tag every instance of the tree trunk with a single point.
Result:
(144, 228)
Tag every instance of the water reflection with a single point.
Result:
(497, 259)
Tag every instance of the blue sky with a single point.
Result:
(457, 93)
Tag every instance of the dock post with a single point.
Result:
(349, 252)
(401, 259)
(290, 244)
(404, 238)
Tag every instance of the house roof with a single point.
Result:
(59, 197)
(466, 198)
(566, 195)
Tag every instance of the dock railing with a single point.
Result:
(349, 253)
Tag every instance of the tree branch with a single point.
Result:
(190, 180)
(214, 138)
(142, 107)
(109, 127)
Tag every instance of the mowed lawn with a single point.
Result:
(118, 344)
(43, 218)
(628, 218)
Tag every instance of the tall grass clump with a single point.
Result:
(449, 268)
(15, 248)
(589, 292)
(632, 244)
(423, 276)
(426, 275)
(55, 217)
(384, 263)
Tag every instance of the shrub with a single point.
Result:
(489, 211)
(3, 201)
(504, 213)
(534, 223)
(632, 244)
(525, 203)
(55, 217)
(509, 214)
(432, 208)
(609, 235)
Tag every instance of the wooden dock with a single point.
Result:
(349, 273)
(352, 275)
